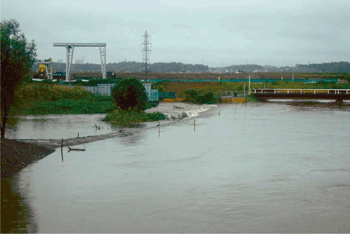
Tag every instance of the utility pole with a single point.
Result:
(184, 69)
(146, 51)
(249, 86)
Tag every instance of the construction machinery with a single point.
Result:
(45, 70)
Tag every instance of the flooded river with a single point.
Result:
(265, 167)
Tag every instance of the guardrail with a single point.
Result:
(303, 91)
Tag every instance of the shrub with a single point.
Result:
(131, 117)
(206, 98)
(190, 95)
(130, 93)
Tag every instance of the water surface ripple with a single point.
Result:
(254, 168)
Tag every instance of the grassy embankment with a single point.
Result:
(48, 98)
(45, 98)
(212, 88)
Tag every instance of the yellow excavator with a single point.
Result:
(45, 69)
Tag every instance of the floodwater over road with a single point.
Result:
(261, 167)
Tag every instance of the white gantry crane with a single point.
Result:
(70, 52)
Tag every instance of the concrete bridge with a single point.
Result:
(334, 94)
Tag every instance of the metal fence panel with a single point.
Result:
(154, 95)
(105, 89)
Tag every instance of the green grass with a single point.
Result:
(202, 87)
(51, 98)
(130, 118)
(251, 98)
(190, 90)
(67, 106)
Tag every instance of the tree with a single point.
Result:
(17, 58)
(191, 95)
(130, 94)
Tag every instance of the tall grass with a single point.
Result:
(44, 98)
(52, 92)
(67, 106)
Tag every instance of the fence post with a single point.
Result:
(62, 149)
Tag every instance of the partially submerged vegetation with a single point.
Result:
(40, 98)
(130, 99)
(129, 118)
(200, 97)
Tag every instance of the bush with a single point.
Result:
(130, 94)
(190, 95)
(207, 98)
(128, 118)
(149, 105)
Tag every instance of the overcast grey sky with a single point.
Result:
(215, 32)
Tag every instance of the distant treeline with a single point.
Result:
(341, 67)
(131, 67)
(334, 67)
(244, 68)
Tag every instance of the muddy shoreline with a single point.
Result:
(17, 154)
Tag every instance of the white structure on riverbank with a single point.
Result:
(70, 52)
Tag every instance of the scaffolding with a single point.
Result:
(70, 52)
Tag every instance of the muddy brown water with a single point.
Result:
(262, 167)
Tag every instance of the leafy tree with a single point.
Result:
(130, 94)
(191, 94)
(17, 58)
(206, 98)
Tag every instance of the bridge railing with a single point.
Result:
(303, 91)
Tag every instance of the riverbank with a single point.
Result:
(17, 154)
